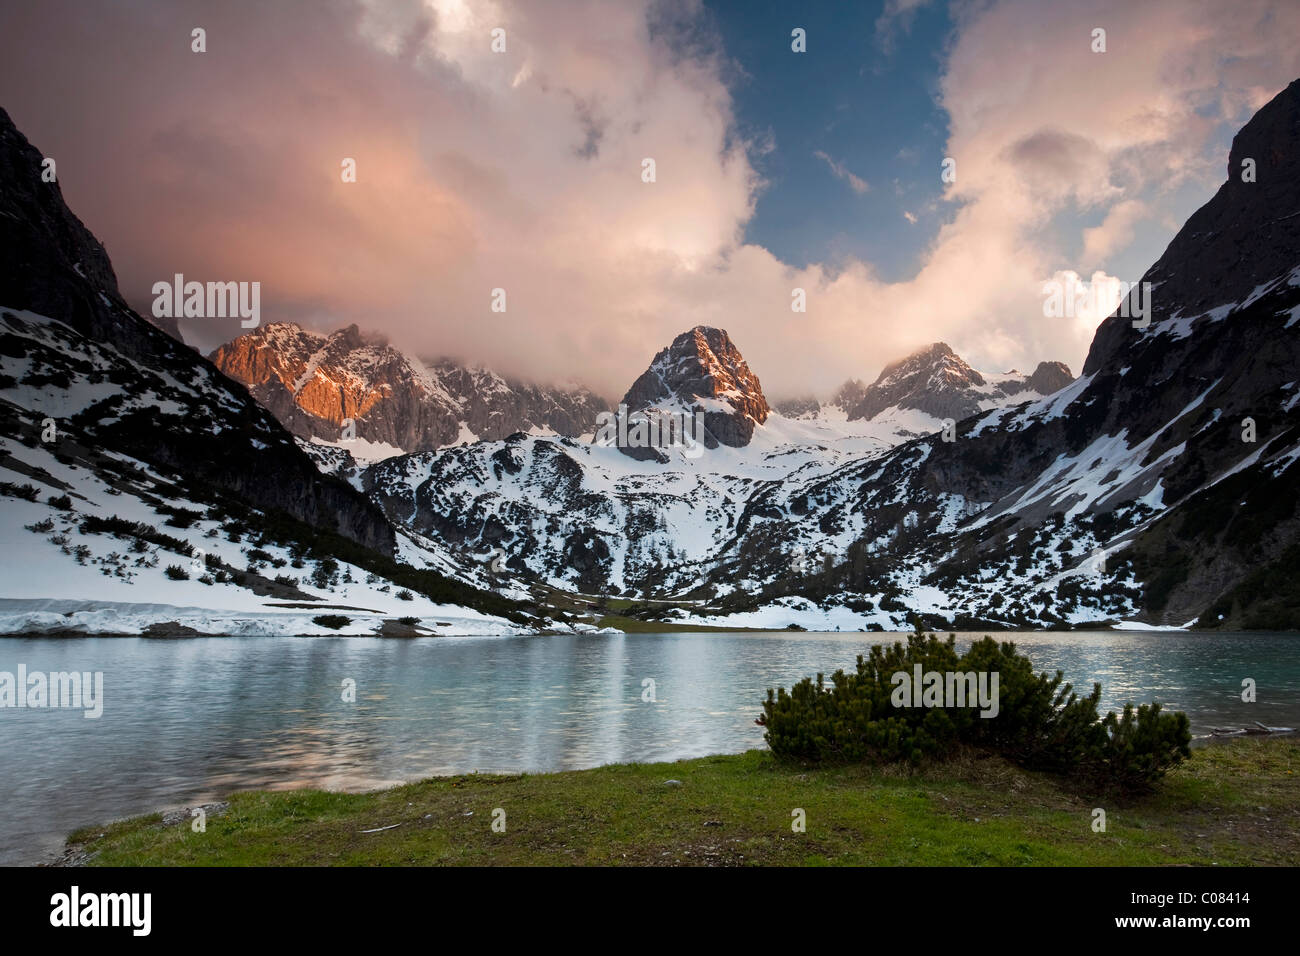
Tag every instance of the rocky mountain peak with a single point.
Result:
(316, 383)
(54, 265)
(934, 353)
(703, 370)
(1049, 377)
(939, 361)
(1239, 241)
(350, 337)
(934, 379)
(849, 394)
(938, 381)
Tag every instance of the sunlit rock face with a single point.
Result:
(703, 370)
(320, 385)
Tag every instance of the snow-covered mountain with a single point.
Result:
(317, 384)
(141, 491)
(703, 371)
(934, 382)
(1158, 487)
(581, 515)
(837, 408)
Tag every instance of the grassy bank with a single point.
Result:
(1234, 803)
(632, 617)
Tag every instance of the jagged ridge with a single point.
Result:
(314, 383)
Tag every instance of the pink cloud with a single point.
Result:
(522, 170)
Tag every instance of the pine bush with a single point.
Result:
(1041, 722)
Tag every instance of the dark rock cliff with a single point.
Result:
(52, 265)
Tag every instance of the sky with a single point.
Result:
(523, 169)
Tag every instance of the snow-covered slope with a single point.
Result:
(580, 515)
(587, 515)
(1160, 486)
(918, 393)
(98, 540)
(139, 486)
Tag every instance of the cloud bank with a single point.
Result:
(522, 170)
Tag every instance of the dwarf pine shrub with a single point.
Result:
(1034, 720)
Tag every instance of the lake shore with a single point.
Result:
(1232, 803)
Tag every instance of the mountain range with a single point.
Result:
(317, 385)
(1156, 489)
(934, 381)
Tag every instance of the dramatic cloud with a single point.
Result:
(1115, 231)
(523, 170)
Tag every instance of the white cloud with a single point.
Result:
(856, 183)
(1114, 233)
(522, 170)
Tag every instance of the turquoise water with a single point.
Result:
(186, 721)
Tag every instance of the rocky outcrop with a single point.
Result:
(1047, 378)
(49, 261)
(934, 380)
(1244, 237)
(316, 383)
(703, 370)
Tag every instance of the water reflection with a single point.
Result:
(188, 720)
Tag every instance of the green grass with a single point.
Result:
(631, 625)
(1234, 803)
(607, 612)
